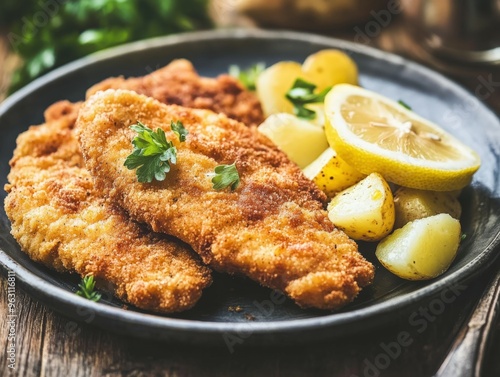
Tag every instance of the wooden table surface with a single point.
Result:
(50, 344)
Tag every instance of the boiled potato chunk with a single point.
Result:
(273, 84)
(422, 249)
(411, 204)
(364, 211)
(330, 67)
(301, 140)
(332, 174)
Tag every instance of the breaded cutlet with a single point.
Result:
(60, 219)
(178, 83)
(272, 228)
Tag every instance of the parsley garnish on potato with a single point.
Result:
(226, 175)
(87, 289)
(302, 93)
(153, 153)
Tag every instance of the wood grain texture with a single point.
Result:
(30, 319)
(49, 344)
(467, 355)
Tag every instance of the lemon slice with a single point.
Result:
(375, 134)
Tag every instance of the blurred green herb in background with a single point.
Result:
(49, 33)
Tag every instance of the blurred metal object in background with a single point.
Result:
(466, 31)
(312, 15)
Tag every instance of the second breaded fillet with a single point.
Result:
(272, 228)
(178, 83)
(62, 221)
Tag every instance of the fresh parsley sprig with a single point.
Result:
(86, 290)
(179, 130)
(302, 93)
(226, 176)
(248, 77)
(153, 153)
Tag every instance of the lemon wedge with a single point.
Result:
(375, 134)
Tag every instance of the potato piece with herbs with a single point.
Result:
(322, 70)
(422, 249)
(273, 84)
(332, 174)
(411, 204)
(364, 211)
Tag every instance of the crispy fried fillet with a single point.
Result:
(178, 83)
(272, 228)
(60, 220)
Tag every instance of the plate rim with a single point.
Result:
(55, 296)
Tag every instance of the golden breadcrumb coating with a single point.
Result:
(178, 83)
(62, 221)
(273, 228)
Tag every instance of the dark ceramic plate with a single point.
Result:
(265, 318)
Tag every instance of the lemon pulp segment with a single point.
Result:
(377, 123)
